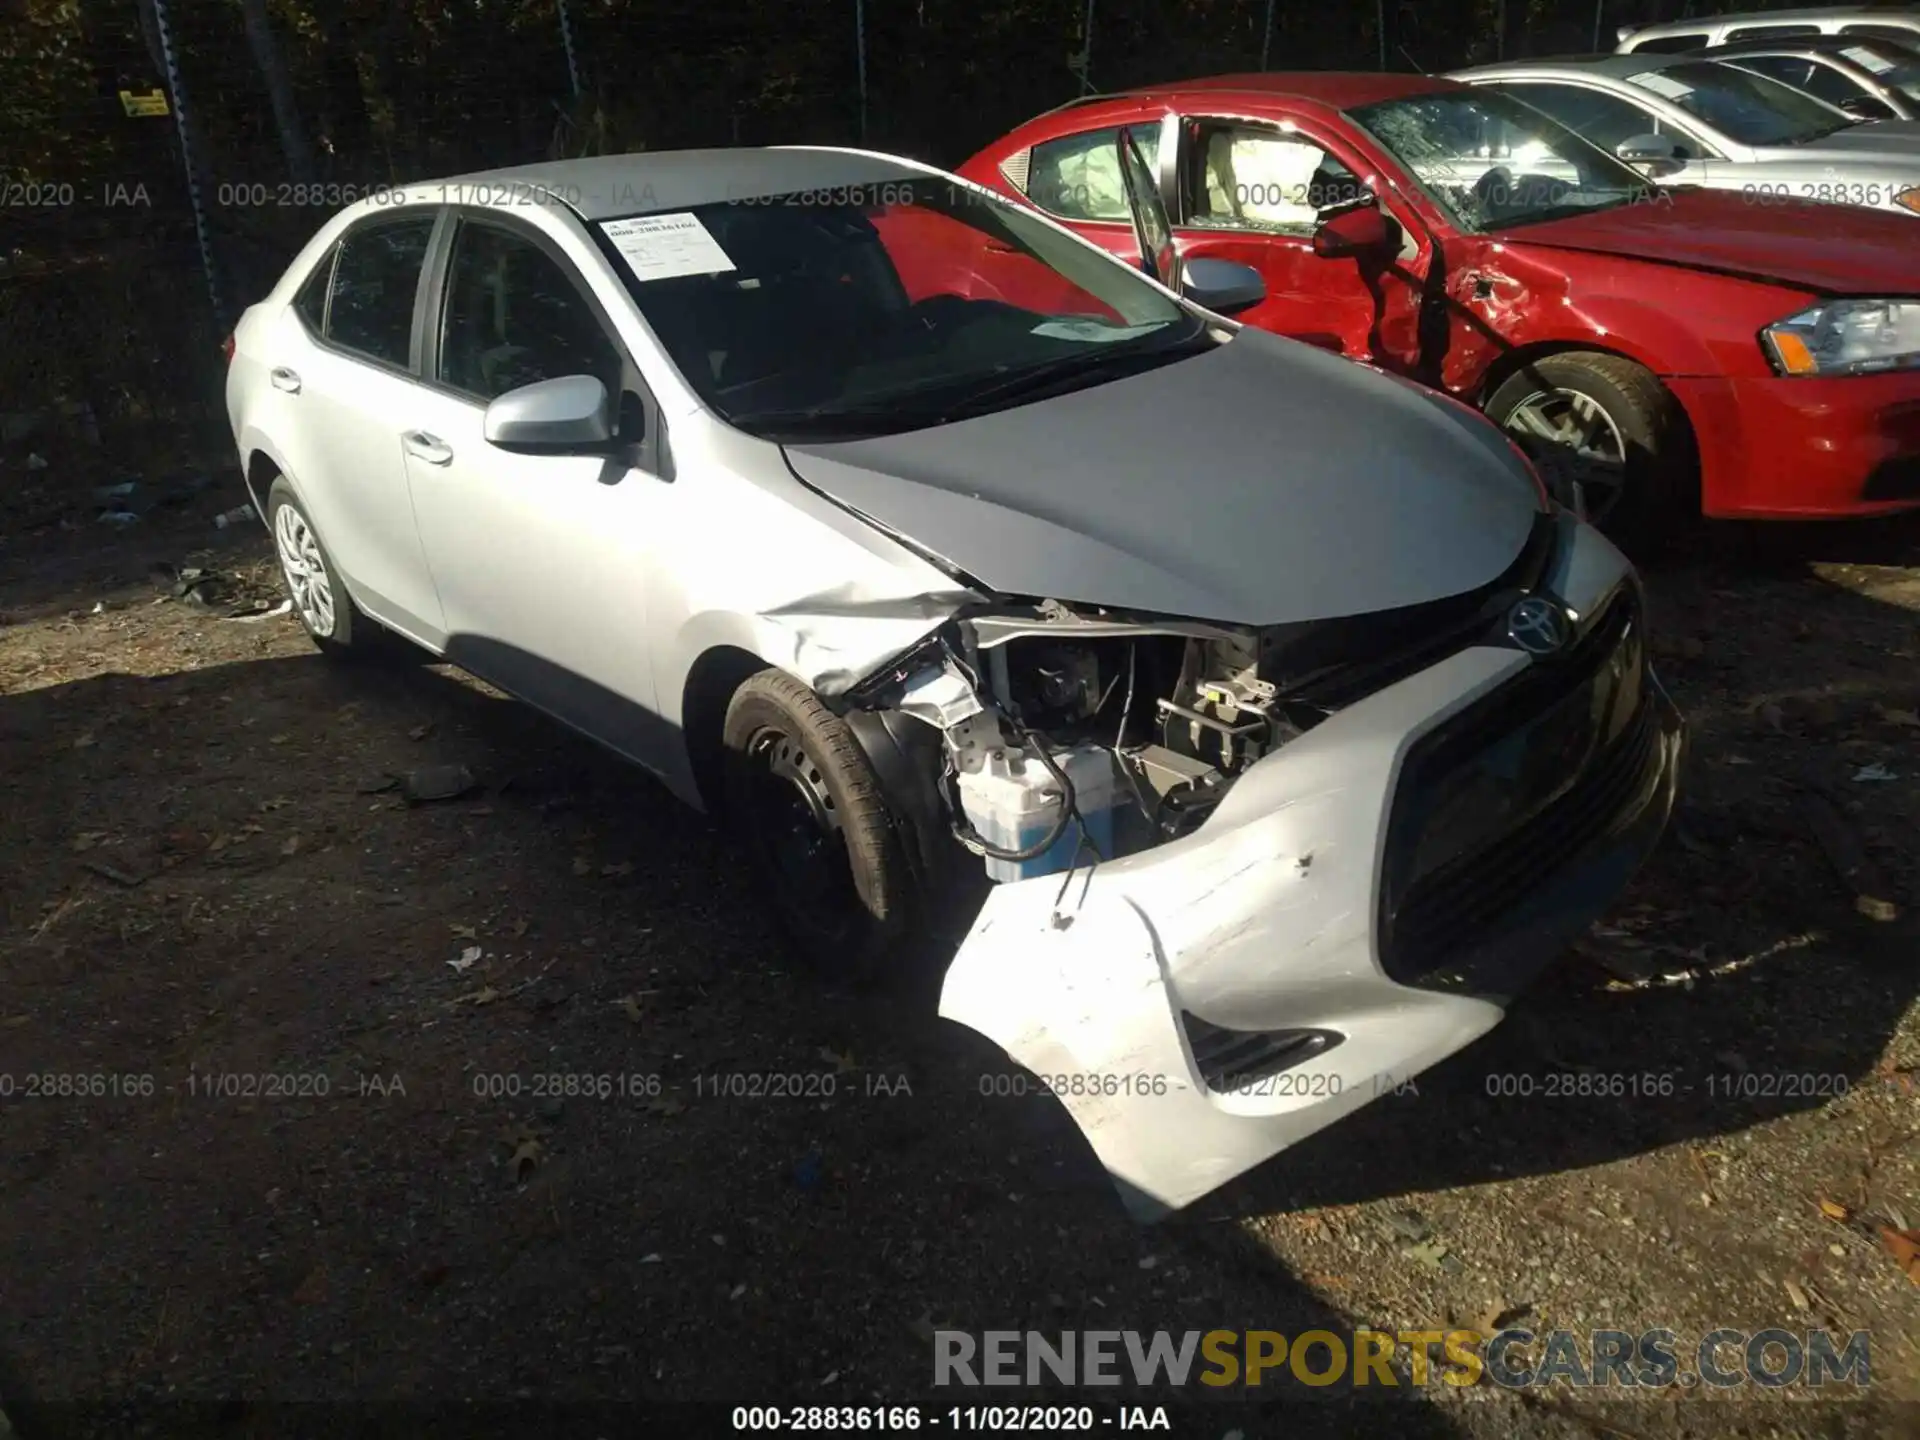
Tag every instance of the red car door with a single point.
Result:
(1252, 188)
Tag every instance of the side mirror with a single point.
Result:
(1363, 230)
(570, 415)
(1649, 150)
(1223, 286)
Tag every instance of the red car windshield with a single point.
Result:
(1492, 162)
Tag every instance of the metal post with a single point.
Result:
(1380, 20)
(566, 39)
(1266, 36)
(1086, 54)
(177, 98)
(860, 40)
(1599, 15)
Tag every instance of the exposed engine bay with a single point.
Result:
(1067, 738)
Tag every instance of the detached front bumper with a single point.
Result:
(1203, 1005)
(1783, 449)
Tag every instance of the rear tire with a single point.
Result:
(805, 803)
(1610, 424)
(320, 599)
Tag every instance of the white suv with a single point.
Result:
(1676, 36)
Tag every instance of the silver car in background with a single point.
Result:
(1254, 718)
(1868, 78)
(1673, 36)
(1689, 121)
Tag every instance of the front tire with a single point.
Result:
(804, 801)
(1612, 426)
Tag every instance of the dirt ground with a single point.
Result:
(204, 876)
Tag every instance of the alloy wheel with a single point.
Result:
(306, 570)
(1579, 427)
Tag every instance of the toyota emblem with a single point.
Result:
(1537, 626)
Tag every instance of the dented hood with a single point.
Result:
(1262, 482)
(1826, 249)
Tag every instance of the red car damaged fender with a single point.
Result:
(1630, 331)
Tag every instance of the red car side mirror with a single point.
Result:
(1359, 231)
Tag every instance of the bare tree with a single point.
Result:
(273, 73)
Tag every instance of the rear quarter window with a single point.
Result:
(1668, 44)
(376, 277)
(311, 303)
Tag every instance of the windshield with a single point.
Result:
(888, 307)
(1894, 66)
(1748, 109)
(1491, 161)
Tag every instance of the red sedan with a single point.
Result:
(1746, 356)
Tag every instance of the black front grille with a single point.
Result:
(1498, 800)
(1239, 1060)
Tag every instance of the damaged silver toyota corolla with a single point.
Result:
(1257, 714)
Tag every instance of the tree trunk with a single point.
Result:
(273, 73)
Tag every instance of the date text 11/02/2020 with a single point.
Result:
(909, 1419)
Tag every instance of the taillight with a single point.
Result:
(226, 348)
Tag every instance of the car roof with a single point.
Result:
(1613, 67)
(1775, 17)
(606, 187)
(1340, 89)
(1824, 44)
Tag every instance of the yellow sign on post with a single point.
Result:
(153, 102)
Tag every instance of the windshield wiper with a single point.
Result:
(1030, 381)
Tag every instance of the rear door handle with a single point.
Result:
(285, 379)
(429, 448)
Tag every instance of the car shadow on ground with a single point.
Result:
(210, 878)
(209, 874)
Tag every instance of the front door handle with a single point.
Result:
(429, 448)
(285, 379)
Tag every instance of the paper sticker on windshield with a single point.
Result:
(660, 247)
(1878, 64)
(1663, 85)
(1094, 330)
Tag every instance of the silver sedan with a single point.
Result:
(1690, 121)
(1253, 718)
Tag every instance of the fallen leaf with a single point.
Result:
(582, 865)
(278, 802)
(665, 1105)
(469, 957)
(485, 995)
(1874, 772)
(630, 1006)
(1796, 1295)
(464, 932)
(292, 845)
(420, 732)
(1909, 718)
(518, 928)
(1904, 1246)
(841, 1061)
(313, 1289)
(625, 867)
(278, 739)
(83, 741)
(1834, 1210)
(526, 1155)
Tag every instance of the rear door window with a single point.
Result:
(1077, 177)
(376, 280)
(1833, 86)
